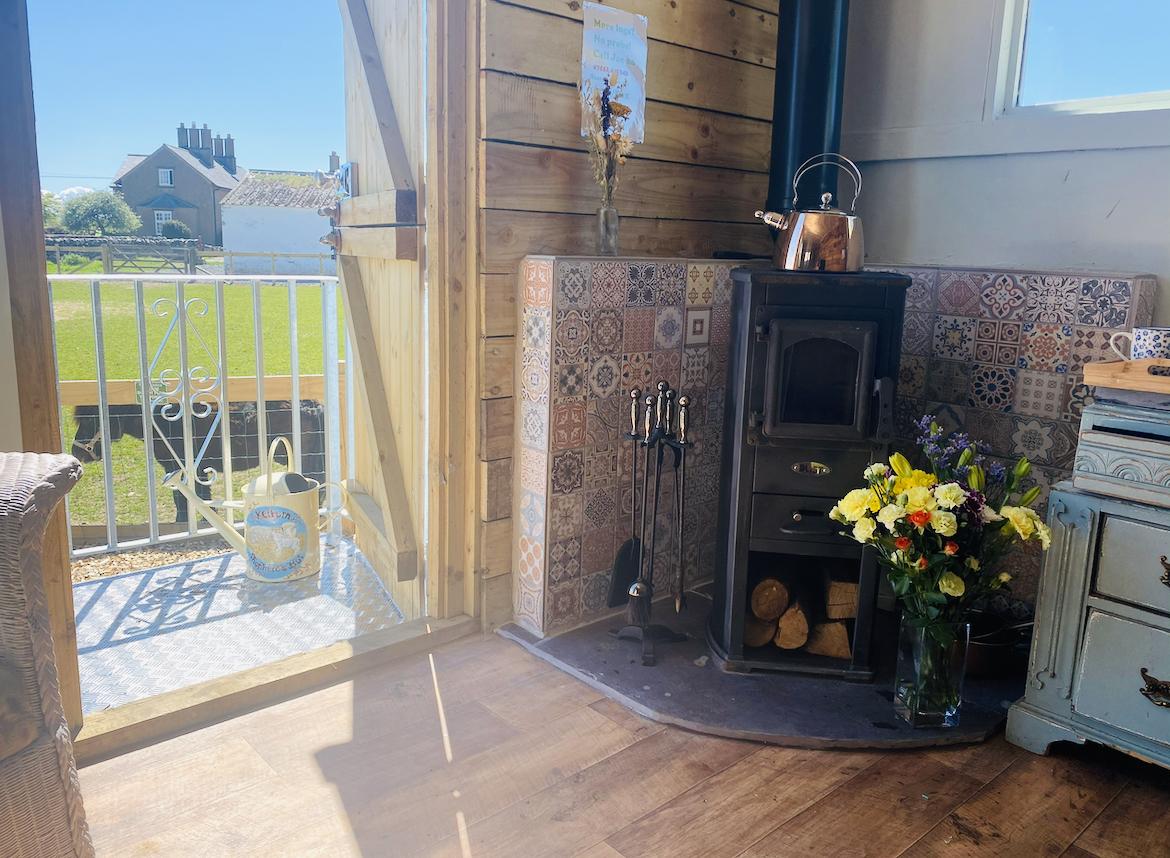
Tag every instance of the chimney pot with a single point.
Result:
(334, 162)
(184, 141)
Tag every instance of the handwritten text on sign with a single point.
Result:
(615, 41)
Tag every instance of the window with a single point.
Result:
(1081, 50)
(166, 177)
(160, 218)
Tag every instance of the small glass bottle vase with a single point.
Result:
(928, 680)
(607, 231)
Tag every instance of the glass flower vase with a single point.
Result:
(607, 231)
(928, 678)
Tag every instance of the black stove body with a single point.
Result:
(810, 403)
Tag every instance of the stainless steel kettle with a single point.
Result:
(824, 239)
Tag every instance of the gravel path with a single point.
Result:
(104, 565)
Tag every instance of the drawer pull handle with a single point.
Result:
(1165, 579)
(816, 469)
(1157, 691)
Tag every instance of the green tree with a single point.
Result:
(100, 213)
(51, 210)
(175, 229)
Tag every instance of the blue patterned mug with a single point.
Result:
(1143, 343)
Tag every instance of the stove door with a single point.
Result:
(819, 379)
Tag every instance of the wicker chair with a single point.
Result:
(41, 813)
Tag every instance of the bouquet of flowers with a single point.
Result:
(942, 533)
(604, 129)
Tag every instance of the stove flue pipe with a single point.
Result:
(806, 110)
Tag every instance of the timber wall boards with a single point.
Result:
(688, 191)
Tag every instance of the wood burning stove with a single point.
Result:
(811, 382)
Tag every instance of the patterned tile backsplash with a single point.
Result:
(593, 329)
(999, 353)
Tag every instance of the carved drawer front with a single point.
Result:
(827, 472)
(1133, 563)
(1111, 686)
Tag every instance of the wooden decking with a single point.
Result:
(480, 749)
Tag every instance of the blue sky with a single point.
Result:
(1088, 48)
(117, 76)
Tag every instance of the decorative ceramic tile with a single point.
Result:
(1034, 438)
(1104, 302)
(954, 338)
(606, 332)
(532, 515)
(723, 285)
(702, 276)
(1064, 451)
(1074, 399)
(717, 368)
(1141, 311)
(610, 286)
(993, 428)
(1046, 347)
(1003, 297)
(992, 387)
(959, 292)
(600, 467)
(907, 410)
(720, 324)
(571, 338)
(949, 416)
(565, 516)
(572, 380)
(997, 342)
(670, 288)
(1088, 346)
(533, 380)
(917, 333)
(537, 275)
(605, 377)
(605, 420)
(564, 560)
(698, 327)
(694, 372)
(667, 366)
(568, 425)
(948, 380)
(668, 328)
(638, 330)
(572, 283)
(563, 604)
(923, 288)
(643, 278)
(637, 370)
(597, 551)
(568, 471)
(1052, 299)
(533, 466)
(594, 592)
(537, 322)
(533, 423)
(600, 507)
(1039, 393)
(714, 404)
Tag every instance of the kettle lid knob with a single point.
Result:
(826, 200)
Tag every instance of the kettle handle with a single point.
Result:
(832, 159)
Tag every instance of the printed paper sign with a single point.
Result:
(615, 41)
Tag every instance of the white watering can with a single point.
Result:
(282, 520)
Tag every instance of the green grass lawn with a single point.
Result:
(76, 360)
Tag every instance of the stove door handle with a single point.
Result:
(809, 522)
(883, 391)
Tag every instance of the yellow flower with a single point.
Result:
(1043, 533)
(1027, 524)
(919, 497)
(972, 564)
(864, 529)
(950, 495)
(1003, 577)
(914, 479)
(854, 505)
(900, 465)
(890, 515)
(951, 584)
(944, 523)
(836, 515)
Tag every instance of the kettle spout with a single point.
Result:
(774, 219)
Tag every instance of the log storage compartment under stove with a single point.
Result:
(810, 402)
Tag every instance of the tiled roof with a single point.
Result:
(219, 177)
(166, 201)
(129, 164)
(284, 189)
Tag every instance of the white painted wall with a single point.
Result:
(946, 181)
(277, 229)
(10, 434)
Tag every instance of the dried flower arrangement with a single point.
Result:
(604, 128)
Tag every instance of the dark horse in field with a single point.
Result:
(245, 441)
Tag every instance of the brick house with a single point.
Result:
(186, 182)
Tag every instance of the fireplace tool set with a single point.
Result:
(664, 427)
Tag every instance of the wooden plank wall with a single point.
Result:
(689, 190)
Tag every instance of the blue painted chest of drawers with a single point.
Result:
(1100, 663)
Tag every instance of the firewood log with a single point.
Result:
(840, 599)
(831, 639)
(792, 630)
(757, 632)
(769, 599)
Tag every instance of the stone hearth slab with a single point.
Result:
(688, 688)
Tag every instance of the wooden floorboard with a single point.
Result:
(479, 749)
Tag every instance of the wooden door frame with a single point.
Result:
(32, 334)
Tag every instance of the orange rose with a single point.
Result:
(951, 548)
(902, 543)
(921, 562)
(919, 518)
